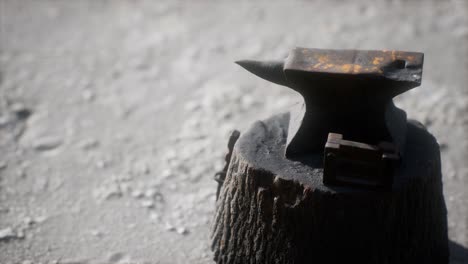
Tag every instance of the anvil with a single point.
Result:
(348, 92)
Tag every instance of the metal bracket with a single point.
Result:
(359, 164)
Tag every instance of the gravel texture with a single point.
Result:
(114, 115)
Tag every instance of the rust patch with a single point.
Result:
(323, 59)
(357, 68)
(377, 60)
(346, 67)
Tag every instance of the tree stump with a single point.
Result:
(274, 210)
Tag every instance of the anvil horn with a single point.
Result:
(269, 70)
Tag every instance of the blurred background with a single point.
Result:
(114, 115)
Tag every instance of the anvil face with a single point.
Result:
(357, 62)
(391, 72)
(345, 91)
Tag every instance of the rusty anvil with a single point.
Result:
(346, 92)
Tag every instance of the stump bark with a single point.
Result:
(274, 210)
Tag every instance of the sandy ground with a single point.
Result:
(114, 115)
